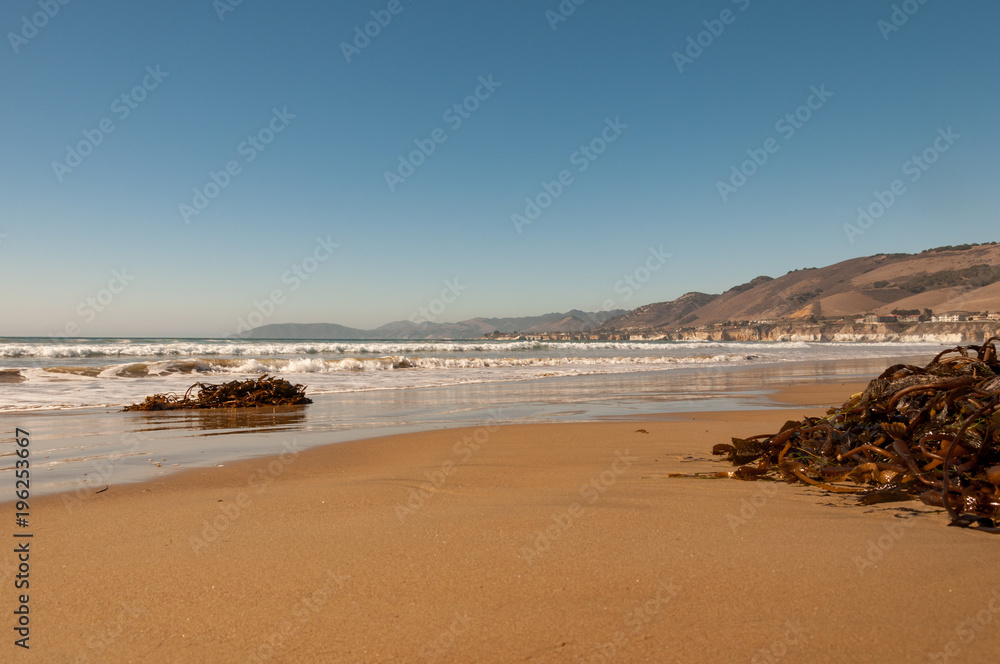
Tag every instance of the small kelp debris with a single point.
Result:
(916, 433)
(263, 391)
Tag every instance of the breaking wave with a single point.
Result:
(200, 349)
(73, 373)
(353, 364)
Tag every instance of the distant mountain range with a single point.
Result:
(946, 279)
(961, 278)
(571, 321)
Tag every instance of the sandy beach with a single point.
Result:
(404, 332)
(536, 543)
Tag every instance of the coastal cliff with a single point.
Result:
(955, 279)
(945, 333)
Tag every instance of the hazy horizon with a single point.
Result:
(332, 323)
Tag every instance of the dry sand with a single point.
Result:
(535, 543)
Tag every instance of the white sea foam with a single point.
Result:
(93, 372)
(270, 349)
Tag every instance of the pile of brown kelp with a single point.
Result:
(263, 391)
(929, 433)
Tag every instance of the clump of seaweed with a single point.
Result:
(928, 433)
(263, 391)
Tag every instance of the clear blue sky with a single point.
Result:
(67, 223)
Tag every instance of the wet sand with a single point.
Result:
(534, 543)
(80, 449)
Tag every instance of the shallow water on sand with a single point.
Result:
(89, 449)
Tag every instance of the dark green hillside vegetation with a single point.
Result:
(975, 276)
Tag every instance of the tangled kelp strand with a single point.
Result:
(263, 391)
(929, 433)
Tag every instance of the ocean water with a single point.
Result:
(68, 393)
(46, 373)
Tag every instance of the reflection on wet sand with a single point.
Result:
(74, 446)
(223, 421)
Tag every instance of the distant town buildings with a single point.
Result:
(952, 317)
(877, 318)
(562, 336)
(649, 334)
(946, 317)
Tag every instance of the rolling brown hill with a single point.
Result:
(963, 278)
(663, 314)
